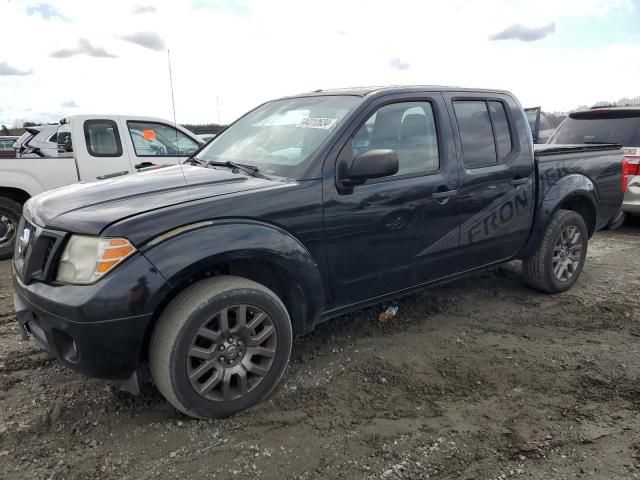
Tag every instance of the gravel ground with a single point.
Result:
(479, 379)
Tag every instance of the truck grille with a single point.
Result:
(36, 251)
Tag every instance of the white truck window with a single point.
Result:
(158, 140)
(103, 139)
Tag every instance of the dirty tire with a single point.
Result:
(11, 211)
(195, 310)
(539, 268)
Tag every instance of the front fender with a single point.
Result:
(192, 252)
(554, 195)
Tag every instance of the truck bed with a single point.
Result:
(36, 175)
(601, 163)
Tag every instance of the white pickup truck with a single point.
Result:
(90, 148)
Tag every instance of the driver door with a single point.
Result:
(400, 231)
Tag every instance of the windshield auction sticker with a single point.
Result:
(317, 122)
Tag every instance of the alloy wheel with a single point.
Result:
(231, 353)
(567, 253)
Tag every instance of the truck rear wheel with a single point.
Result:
(220, 347)
(10, 212)
(559, 259)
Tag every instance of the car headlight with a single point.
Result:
(86, 259)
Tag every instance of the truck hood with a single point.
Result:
(90, 207)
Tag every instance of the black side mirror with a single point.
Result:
(375, 163)
(64, 144)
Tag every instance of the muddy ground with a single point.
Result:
(481, 378)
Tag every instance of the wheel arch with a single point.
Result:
(575, 192)
(259, 252)
(18, 195)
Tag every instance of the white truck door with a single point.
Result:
(98, 149)
(156, 143)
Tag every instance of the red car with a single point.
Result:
(6, 147)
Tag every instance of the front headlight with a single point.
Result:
(85, 259)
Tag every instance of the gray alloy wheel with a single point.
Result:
(232, 353)
(559, 258)
(220, 346)
(567, 253)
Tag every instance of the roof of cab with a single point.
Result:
(386, 90)
(87, 116)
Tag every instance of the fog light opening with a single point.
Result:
(67, 347)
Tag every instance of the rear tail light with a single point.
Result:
(630, 168)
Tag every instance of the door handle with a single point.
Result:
(444, 195)
(138, 166)
(519, 181)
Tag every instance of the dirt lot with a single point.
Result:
(481, 378)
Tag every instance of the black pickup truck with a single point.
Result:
(305, 208)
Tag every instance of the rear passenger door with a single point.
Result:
(496, 176)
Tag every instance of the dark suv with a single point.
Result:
(620, 125)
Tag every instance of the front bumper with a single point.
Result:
(99, 330)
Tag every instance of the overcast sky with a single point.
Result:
(69, 56)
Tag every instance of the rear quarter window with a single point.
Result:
(500, 129)
(103, 138)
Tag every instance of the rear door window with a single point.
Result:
(476, 134)
(594, 127)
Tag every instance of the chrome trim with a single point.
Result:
(177, 231)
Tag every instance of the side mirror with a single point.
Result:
(375, 163)
(64, 144)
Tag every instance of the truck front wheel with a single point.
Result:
(220, 346)
(10, 212)
(558, 261)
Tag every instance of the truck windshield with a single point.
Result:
(606, 127)
(279, 137)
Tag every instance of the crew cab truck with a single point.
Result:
(305, 208)
(89, 148)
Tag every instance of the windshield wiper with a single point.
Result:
(248, 169)
(594, 142)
